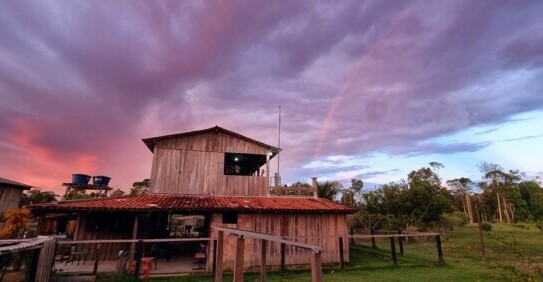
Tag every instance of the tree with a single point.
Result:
(461, 187)
(15, 223)
(353, 196)
(117, 193)
(36, 196)
(436, 166)
(329, 189)
(140, 187)
(495, 173)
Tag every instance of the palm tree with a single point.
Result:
(329, 189)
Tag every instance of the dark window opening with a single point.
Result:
(243, 164)
(230, 218)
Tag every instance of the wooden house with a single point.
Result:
(10, 193)
(221, 177)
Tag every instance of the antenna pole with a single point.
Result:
(279, 140)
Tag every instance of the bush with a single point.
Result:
(486, 226)
(539, 225)
(452, 220)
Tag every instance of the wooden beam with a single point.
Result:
(239, 259)
(282, 256)
(263, 261)
(219, 252)
(264, 236)
(316, 267)
(78, 222)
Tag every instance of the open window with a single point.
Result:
(243, 164)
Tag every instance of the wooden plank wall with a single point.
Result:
(9, 198)
(108, 251)
(195, 165)
(317, 229)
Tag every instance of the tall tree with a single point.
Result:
(461, 186)
(353, 195)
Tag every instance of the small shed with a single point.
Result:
(10, 193)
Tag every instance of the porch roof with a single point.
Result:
(191, 203)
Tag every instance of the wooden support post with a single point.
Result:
(219, 252)
(393, 250)
(263, 261)
(352, 238)
(341, 255)
(239, 259)
(131, 255)
(316, 267)
(282, 254)
(439, 251)
(138, 256)
(400, 241)
(214, 266)
(373, 245)
(41, 220)
(96, 260)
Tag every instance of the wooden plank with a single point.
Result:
(395, 235)
(341, 255)
(45, 263)
(239, 259)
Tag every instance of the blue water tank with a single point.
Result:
(80, 178)
(101, 180)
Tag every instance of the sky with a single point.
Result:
(368, 89)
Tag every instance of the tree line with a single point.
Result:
(424, 200)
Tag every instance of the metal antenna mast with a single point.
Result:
(279, 140)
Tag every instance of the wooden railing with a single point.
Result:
(316, 265)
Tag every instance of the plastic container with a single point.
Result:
(80, 178)
(100, 180)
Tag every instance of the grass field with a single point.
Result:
(513, 252)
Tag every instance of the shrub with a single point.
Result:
(486, 226)
(452, 220)
(539, 225)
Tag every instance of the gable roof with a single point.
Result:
(150, 142)
(13, 184)
(195, 203)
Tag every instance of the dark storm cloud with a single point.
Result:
(87, 80)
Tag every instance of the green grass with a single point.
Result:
(512, 251)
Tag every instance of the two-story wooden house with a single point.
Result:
(221, 178)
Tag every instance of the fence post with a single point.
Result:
(316, 267)
(393, 250)
(352, 238)
(282, 254)
(439, 251)
(372, 232)
(400, 241)
(341, 255)
(239, 260)
(220, 246)
(263, 262)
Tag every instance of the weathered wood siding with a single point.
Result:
(317, 229)
(195, 165)
(109, 251)
(9, 198)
